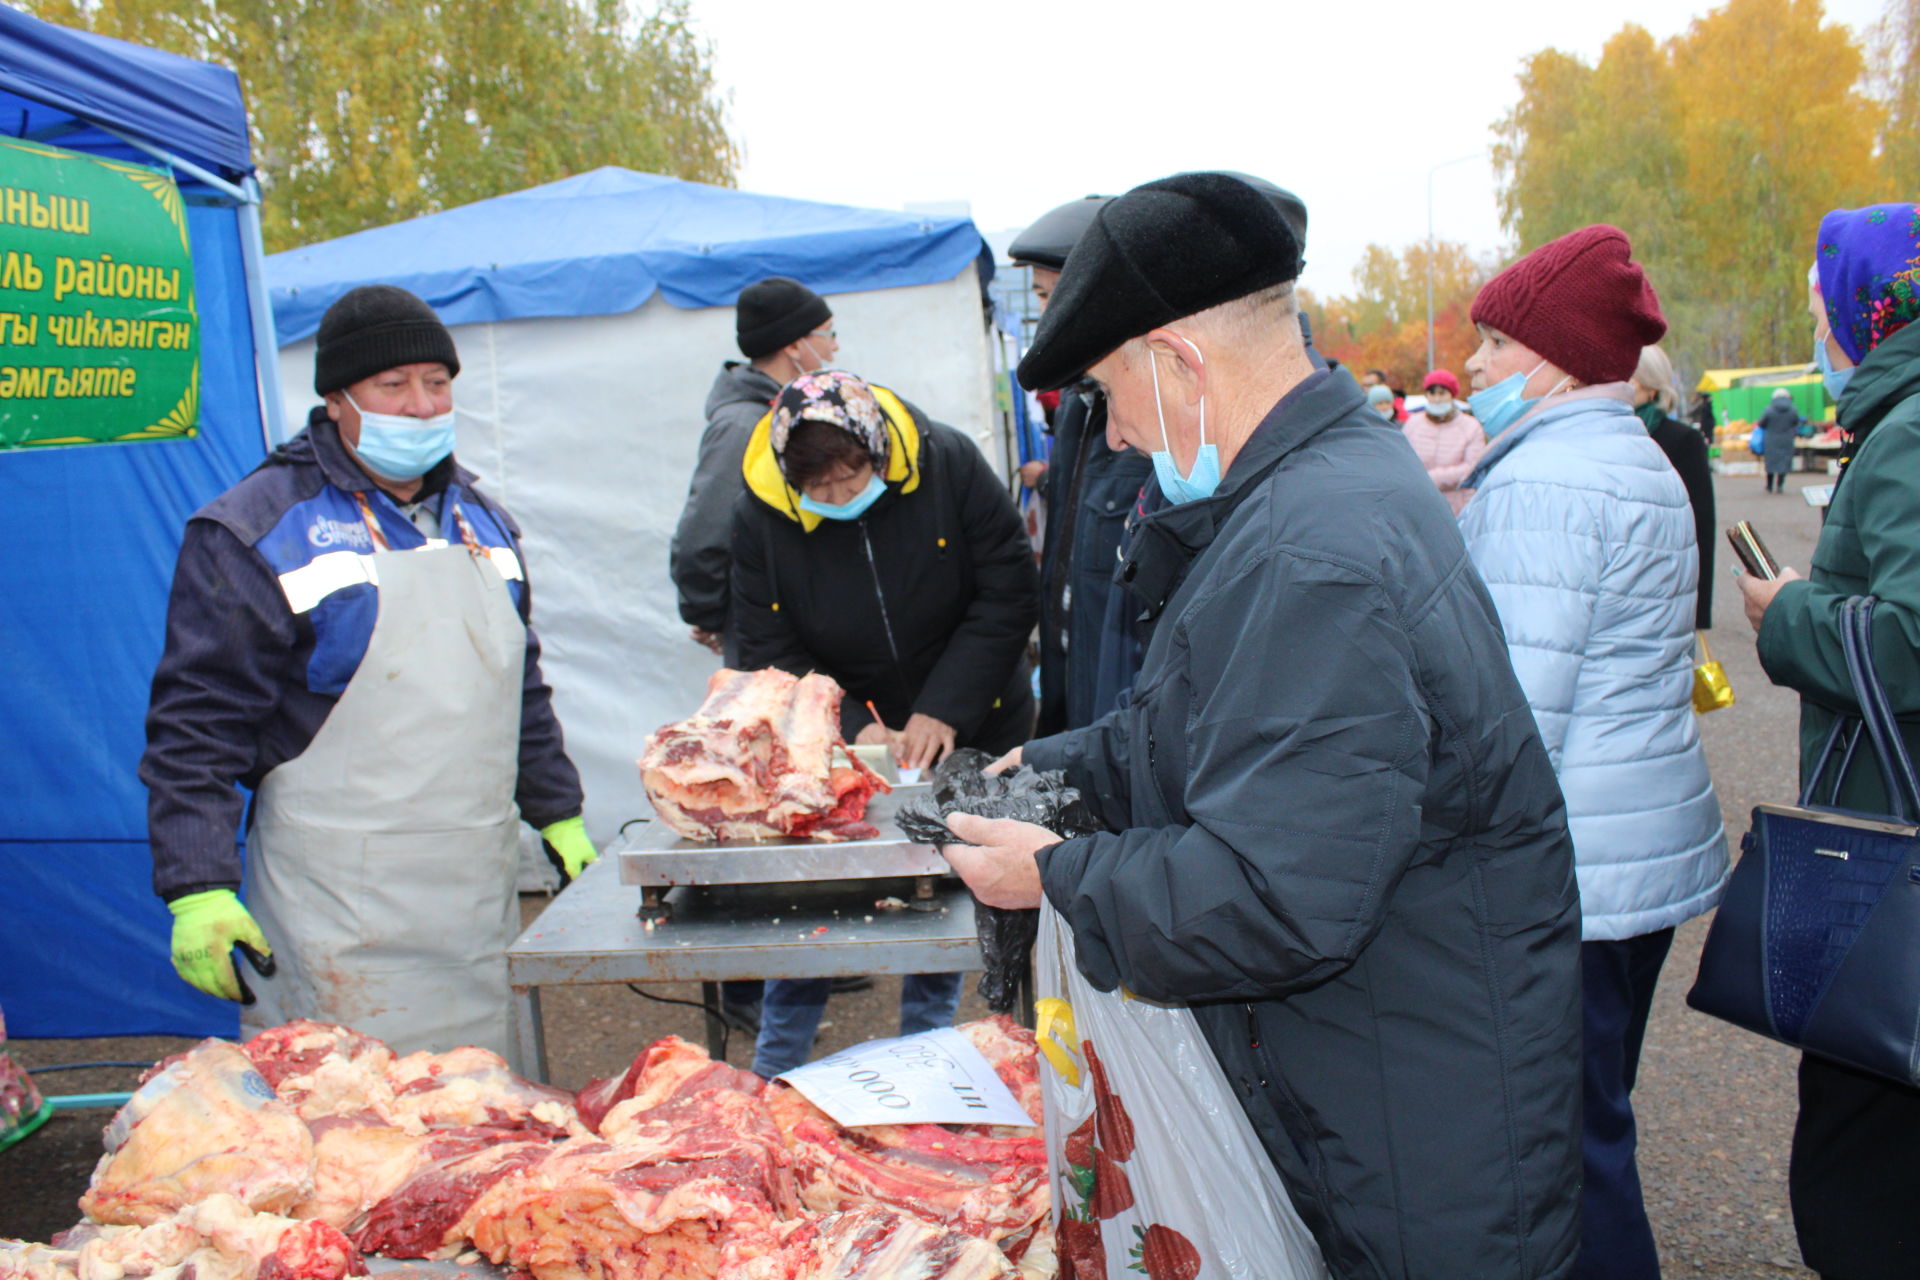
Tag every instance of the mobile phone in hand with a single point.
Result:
(1753, 553)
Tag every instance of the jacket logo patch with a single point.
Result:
(324, 532)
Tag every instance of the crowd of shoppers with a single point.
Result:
(1217, 492)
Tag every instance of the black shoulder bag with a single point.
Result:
(1817, 942)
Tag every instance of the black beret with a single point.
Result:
(1164, 250)
(373, 328)
(775, 312)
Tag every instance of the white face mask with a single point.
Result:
(1439, 411)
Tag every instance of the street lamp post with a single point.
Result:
(1478, 155)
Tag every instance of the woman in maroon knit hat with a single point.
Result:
(1586, 540)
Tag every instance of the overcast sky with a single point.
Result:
(1018, 105)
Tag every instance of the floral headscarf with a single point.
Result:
(1869, 270)
(833, 397)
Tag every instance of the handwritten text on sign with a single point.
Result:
(936, 1077)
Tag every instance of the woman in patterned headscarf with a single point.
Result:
(1856, 1146)
(879, 548)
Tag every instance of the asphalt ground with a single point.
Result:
(1715, 1105)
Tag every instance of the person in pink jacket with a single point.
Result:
(1448, 439)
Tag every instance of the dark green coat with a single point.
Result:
(1870, 545)
(1856, 1142)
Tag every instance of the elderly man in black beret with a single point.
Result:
(1332, 828)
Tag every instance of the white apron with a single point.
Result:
(382, 859)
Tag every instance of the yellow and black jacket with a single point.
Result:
(924, 604)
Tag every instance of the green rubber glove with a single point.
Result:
(568, 847)
(206, 928)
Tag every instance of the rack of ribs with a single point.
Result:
(756, 762)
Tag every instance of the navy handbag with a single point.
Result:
(1817, 942)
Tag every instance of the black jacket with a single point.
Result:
(924, 604)
(1686, 449)
(1337, 836)
(740, 397)
(1089, 489)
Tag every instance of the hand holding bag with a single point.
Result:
(1817, 942)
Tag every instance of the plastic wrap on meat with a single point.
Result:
(421, 1218)
(960, 785)
(756, 762)
(597, 1211)
(206, 1123)
(875, 1243)
(217, 1239)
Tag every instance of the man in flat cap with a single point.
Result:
(1332, 828)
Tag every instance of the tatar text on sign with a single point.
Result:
(99, 334)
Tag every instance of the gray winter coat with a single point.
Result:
(740, 397)
(1782, 423)
(1335, 833)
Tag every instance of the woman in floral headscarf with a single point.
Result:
(879, 548)
(1856, 1146)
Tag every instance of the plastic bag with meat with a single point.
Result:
(960, 785)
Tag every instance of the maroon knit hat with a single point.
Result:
(1580, 301)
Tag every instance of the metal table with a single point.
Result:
(594, 932)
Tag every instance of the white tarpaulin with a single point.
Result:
(585, 428)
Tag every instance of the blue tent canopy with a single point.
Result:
(71, 88)
(95, 529)
(518, 255)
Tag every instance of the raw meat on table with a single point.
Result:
(597, 1211)
(206, 1123)
(219, 1238)
(422, 1216)
(664, 1069)
(875, 1243)
(756, 762)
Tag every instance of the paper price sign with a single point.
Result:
(936, 1077)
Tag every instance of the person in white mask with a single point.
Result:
(1323, 770)
(349, 637)
(1447, 439)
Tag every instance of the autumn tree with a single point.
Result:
(1717, 152)
(1382, 324)
(1894, 64)
(365, 112)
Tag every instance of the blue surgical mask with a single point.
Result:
(1205, 476)
(853, 508)
(402, 448)
(1836, 379)
(1503, 404)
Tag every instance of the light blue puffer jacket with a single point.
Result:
(1584, 536)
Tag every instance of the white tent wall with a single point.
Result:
(585, 428)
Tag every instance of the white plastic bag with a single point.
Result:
(1155, 1169)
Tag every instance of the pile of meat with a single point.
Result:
(757, 761)
(293, 1155)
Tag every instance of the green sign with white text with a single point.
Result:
(99, 335)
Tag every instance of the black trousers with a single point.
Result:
(1616, 989)
(1856, 1173)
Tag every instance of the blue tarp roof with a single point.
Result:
(601, 243)
(52, 77)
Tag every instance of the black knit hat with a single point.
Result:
(1164, 250)
(775, 312)
(373, 328)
